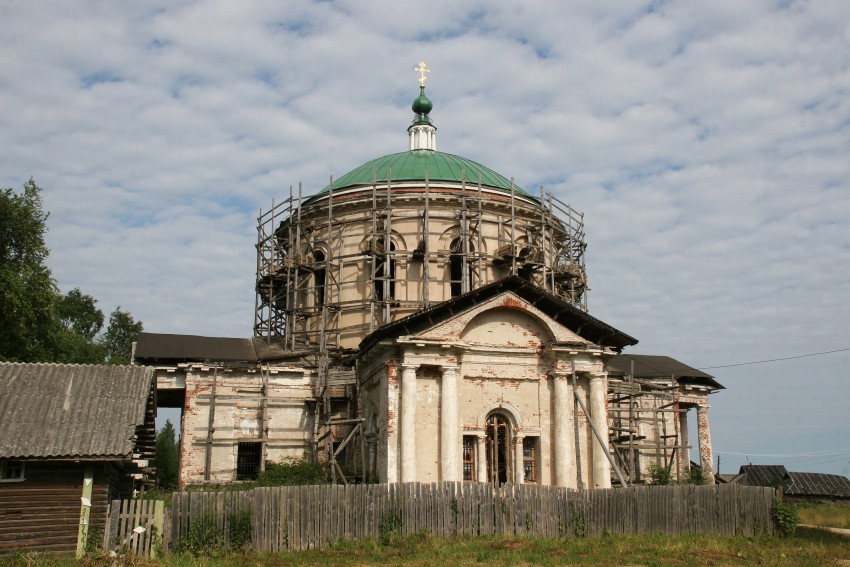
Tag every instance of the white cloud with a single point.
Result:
(706, 143)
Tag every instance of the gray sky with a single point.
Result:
(706, 142)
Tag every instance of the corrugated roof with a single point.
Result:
(71, 411)
(818, 484)
(764, 475)
(653, 366)
(162, 346)
(801, 484)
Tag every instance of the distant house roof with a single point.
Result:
(652, 366)
(763, 475)
(580, 322)
(799, 484)
(818, 484)
(81, 412)
(161, 346)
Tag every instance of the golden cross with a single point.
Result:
(422, 69)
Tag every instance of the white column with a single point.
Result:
(408, 423)
(684, 452)
(599, 415)
(561, 426)
(481, 459)
(519, 467)
(449, 442)
(705, 453)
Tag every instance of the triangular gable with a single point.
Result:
(555, 307)
(505, 319)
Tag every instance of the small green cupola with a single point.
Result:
(422, 105)
(423, 134)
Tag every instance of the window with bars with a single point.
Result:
(529, 459)
(248, 460)
(469, 444)
(11, 470)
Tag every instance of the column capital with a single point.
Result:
(409, 366)
(449, 367)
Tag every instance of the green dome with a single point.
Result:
(422, 104)
(411, 166)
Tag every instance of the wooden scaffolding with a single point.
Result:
(304, 283)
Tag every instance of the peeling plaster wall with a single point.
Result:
(347, 243)
(428, 424)
(503, 364)
(238, 417)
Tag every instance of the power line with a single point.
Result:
(790, 455)
(776, 359)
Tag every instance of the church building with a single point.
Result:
(424, 318)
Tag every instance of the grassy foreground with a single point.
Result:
(805, 547)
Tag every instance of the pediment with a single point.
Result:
(505, 320)
(566, 323)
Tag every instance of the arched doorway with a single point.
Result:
(498, 446)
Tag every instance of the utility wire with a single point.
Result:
(776, 359)
(789, 455)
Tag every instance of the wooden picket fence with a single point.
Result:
(136, 526)
(302, 517)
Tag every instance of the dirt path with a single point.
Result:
(842, 531)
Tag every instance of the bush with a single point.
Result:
(661, 475)
(695, 476)
(207, 538)
(203, 538)
(292, 472)
(785, 516)
(390, 527)
(241, 532)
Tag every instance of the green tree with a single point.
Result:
(79, 313)
(118, 340)
(28, 293)
(37, 323)
(79, 322)
(167, 457)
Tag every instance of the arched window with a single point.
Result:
(319, 277)
(456, 267)
(498, 447)
(384, 270)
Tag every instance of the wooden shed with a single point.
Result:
(72, 437)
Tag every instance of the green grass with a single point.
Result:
(828, 515)
(806, 547)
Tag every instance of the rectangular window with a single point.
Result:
(469, 444)
(11, 470)
(529, 459)
(248, 460)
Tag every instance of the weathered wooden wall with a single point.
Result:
(42, 512)
(288, 518)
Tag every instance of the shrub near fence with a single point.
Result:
(303, 517)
